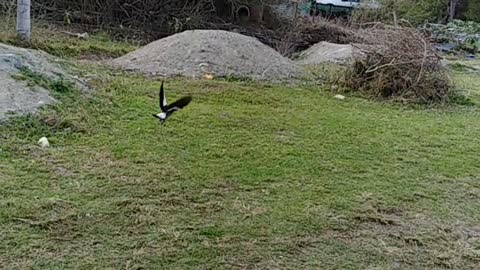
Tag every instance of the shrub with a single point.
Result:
(416, 12)
(473, 12)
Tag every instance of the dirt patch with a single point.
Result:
(421, 241)
(220, 53)
(417, 240)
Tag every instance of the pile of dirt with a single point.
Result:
(326, 52)
(17, 95)
(216, 52)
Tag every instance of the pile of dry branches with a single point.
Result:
(298, 36)
(398, 63)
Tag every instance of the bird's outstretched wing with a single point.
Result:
(162, 99)
(178, 104)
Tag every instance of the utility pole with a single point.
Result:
(23, 20)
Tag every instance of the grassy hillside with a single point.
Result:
(249, 176)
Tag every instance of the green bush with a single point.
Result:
(473, 12)
(420, 11)
(416, 12)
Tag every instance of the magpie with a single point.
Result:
(168, 110)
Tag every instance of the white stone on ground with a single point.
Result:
(43, 142)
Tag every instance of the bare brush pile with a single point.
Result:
(305, 33)
(400, 64)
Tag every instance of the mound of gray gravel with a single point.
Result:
(326, 52)
(17, 97)
(220, 53)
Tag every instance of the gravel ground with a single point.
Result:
(326, 52)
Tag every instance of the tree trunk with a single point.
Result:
(395, 20)
(23, 20)
(452, 10)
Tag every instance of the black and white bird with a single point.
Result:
(168, 110)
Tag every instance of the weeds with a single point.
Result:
(58, 86)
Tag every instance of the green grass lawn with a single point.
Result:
(249, 176)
